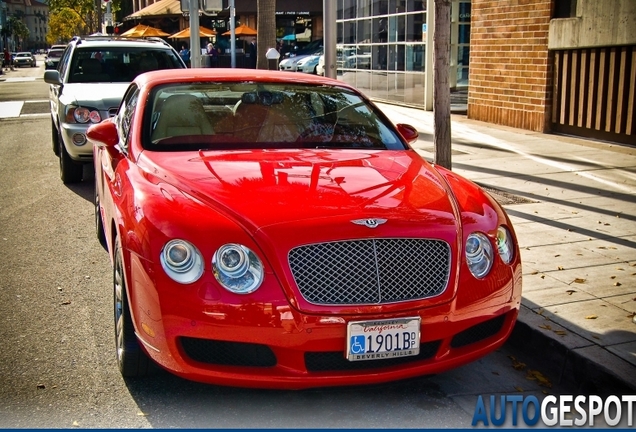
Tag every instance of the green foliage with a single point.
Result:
(64, 24)
(17, 28)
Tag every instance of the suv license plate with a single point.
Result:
(374, 340)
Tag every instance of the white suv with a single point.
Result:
(88, 86)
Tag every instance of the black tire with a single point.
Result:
(99, 223)
(70, 172)
(55, 138)
(131, 359)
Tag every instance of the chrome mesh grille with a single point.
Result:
(373, 271)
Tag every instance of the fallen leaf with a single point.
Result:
(66, 302)
(561, 332)
(545, 326)
(540, 311)
(575, 212)
(75, 423)
(579, 280)
(617, 284)
(41, 386)
(620, 268)
(516, 364)
(534, 273)
(519, 389)
(535, 375)
(612, 277)
(596, 337)
(606, 224)
(141, 414)
(545, 392)
(633, 264)
(557, 255)
(570, 292)
(560, 267)
(542, 276)
(591, 317)
(631, 315)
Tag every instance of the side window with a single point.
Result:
(64, 61)
(126, 113)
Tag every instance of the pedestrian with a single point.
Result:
(214, 54)
(185, 55)
(7, 58)
(253, 52)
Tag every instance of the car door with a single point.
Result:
(55, 90)
(108, 160)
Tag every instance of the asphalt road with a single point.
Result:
(57, 357)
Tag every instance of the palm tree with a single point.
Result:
(266, 28)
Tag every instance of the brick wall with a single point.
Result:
(510, 77)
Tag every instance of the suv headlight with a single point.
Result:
(75, 114)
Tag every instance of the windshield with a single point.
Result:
(263, 116)
(111, 64)
(23, 55)
(55, 53)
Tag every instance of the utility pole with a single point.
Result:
(329, 38)
(441, 89)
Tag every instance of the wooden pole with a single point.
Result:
(441, 89)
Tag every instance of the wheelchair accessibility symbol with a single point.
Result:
(357, 344)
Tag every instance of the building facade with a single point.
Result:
(34, 14)
(555, 65)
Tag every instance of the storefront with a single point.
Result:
(382, 47)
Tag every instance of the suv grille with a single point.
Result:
(374, 271)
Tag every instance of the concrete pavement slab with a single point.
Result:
(577, 237)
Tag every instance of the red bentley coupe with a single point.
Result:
(268, 229)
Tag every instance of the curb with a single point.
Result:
(590, 372)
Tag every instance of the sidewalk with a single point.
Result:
(573, 206)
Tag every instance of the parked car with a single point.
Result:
(308, 64)
(53, 58)
(24, 59)
(271, 229)
(88, 85)
(290, 64)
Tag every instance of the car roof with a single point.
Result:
(173, 76)
(103, 41)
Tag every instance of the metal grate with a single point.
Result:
(228, 353)
(335, 361)
(374, 271)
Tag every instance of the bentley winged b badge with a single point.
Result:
(369, 223)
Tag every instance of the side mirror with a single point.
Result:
(52, 77)
(104, 134)
(409, 133)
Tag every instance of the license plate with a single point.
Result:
(374, 340)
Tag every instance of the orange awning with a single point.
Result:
(185, 33)
(144, 30)
(242, 30)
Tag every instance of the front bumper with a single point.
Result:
(76, 132)
(272, 345)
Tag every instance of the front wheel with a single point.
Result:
(131, 359)
(70, 172)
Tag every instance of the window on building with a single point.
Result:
(564, 8)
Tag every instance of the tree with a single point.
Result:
(266, 28)
(17, 28)
(441, 84)
(63, 25)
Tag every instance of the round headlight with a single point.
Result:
(479, 254)
(81, 115)
(504, 245)
(181, 261)
(95, 117)
(237, 268)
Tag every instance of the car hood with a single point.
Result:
(274, 189)
(97, 95)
